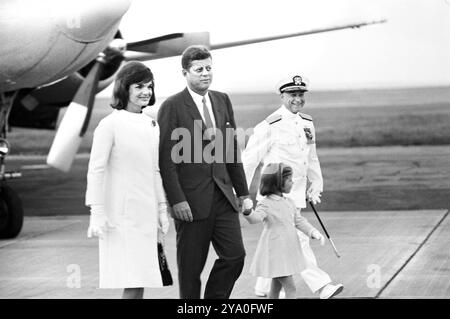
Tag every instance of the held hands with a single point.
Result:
(182, 211)
(241, 200)
(315, 234)
(163, 222)
(98, 222)
(313, 195)
(247, 206)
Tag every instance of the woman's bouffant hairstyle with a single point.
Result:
(194, 53)
(273, 178)
(132, 72)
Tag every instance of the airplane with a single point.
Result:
(56, 54)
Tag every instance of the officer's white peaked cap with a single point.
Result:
(293, 83)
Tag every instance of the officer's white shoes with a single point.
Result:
(260, 293)
(330, 291)
(327, 292)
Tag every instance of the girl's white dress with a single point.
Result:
(278, 252)
(124, 176)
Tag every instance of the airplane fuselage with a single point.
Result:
(44, 41)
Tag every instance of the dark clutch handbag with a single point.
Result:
(166, 276)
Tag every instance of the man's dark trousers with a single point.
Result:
(223, 229)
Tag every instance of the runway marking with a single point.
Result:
(36, 166)
(412, 256)
(41, 156)
(9, 242)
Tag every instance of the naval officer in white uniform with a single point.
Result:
(288, 136)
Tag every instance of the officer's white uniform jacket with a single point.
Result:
(281, 137)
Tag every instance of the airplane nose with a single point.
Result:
(90, 20)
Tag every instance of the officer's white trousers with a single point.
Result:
(313, 276)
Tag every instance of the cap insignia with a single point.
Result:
(297, 80)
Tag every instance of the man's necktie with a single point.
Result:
(208, 121)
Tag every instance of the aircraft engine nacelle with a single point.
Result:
(165, 46)
(176, 46)
(39, 107)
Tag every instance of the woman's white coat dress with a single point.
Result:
(124, 177)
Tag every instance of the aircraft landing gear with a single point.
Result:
(11, 211)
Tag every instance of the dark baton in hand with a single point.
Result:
(324, 229)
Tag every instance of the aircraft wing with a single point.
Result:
(296, 34)
(174, 44)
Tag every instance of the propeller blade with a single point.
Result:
(73, 126)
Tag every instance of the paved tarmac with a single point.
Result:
(398, 252)
(385, 254)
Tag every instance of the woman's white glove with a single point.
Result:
(315, 234)
(97, 222)
(163, 221)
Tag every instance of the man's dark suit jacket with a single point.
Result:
(186, 175)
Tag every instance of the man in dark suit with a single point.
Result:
(200, 165)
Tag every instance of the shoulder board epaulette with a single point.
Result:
(274, 118)
(305, 116)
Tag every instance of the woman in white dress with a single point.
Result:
(124, 187)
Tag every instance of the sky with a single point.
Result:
(411, 49)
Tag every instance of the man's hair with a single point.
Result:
(273, 178)
(193, 53)
(132, 72)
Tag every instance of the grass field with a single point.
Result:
(365, 117)
(342, 118)
(357, 178)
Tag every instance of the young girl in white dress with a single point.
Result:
(124, 187)
(278, 253)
